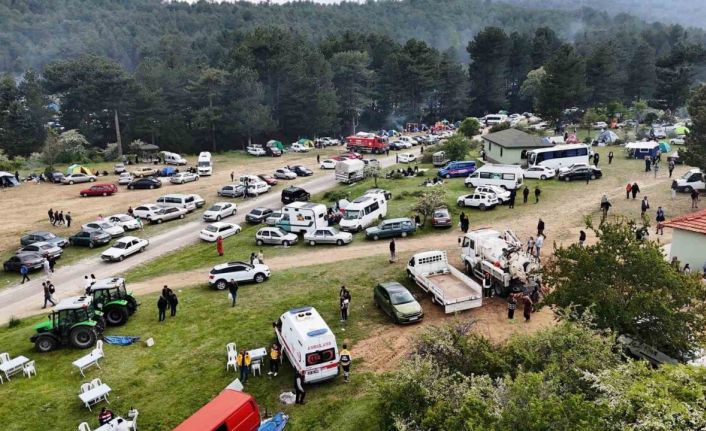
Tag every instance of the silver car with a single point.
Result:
(166, 214)
(328, 235)
(183, 177)
(275, 236)
(78, 178)
(45, 249)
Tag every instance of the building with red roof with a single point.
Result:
(689, 239)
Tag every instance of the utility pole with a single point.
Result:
(117, 134)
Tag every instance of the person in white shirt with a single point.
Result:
(538, 243)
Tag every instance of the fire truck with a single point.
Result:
(363, 142)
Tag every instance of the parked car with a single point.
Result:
(256, 151)
(124, 247)
(78, 178)
(232, 191)
(119, 168)
(581, 173)
(220, 210)
(45, 237)
(45, 249)
(145, 171)
(145, 183)
(219, 229)
(183, 177)
(391, 228)
(539, 172)
(327, 164)
(441, 218)
(275, 236)
(99, 190)
(125, 178)
(285, 174)
(482, 201)
(90, 239)
(273, 218)
(29, 259)
(502, 194)
(406, 158)
(146, 211)
(269, 179)
(55, 177)
(302, 171)
(294, 194)
(198, 200)
(328, 235)
(170, 213)
(127, 222)
(396, 301)
(107, 226)
(241, 272)
(298, 148)
(257, 215)
(599, 125)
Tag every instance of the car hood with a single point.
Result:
(113, 252)
(371, 230)
(408, 308)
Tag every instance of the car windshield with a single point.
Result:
(351, 215)
(105, 225)
(211, 228)
(256, 212)
(120, 245)
(49, 235)
(215, 208)
(401, 297)
(440, 214)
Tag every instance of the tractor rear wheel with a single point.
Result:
(83, 337)
(116, 315)
(131, 304)
(45, 343)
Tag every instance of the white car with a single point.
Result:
(241, 272)
(198, 200)
(78, 178)
(482, 201)
(275, 236)
(220, 210)
(168, 213)
(183, 177)
(599, 125)
(298, 148)
(258, 188)
(218, 229)
(125, 178)
(256, 151)
(539, 172)
(407, 158)
(124, 247)
(285, 174)
(327, 164)
(502, 194)
(676, 141)
(328, 235)
(125, 221)
(146, 211)
(109, 227)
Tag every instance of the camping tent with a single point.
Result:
(681, 130)
(306, 142)
(8, 180)
(607, 136)
(664, 147)
(275, 143)
(78, 169)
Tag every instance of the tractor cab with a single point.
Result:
(73, 322)
(112, 298)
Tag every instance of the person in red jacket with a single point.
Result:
(219, 246)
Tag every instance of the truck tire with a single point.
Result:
(100, 324)
(82, 337)
(131, 304)
(45, 343)
(116, 315)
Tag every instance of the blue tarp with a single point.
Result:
(276, 423)
(167, 171)
(121, 340)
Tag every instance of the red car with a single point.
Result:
(269, 179)
(99, 190)
(352, 155)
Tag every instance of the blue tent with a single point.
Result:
(167, 171)
(664, 147)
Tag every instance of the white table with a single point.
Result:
(88, 361)
(13, 366)
(113, 425)
(257, 354)
(95, 395)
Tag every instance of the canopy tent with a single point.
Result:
(607, 136)
(8, 180)
(275, 143)
(306, 142)
(78, 169)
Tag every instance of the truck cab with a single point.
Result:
(694, 179)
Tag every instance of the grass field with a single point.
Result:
(186, 367)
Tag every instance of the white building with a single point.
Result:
(689, 239)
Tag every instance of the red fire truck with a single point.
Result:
(363, 142)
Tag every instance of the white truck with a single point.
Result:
(205, 165)
(500, 255)
(350, 171)
(692, 180)
(449, 287)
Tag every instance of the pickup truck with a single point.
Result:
(449, 287)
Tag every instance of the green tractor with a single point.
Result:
(116, 303)
(73, 322)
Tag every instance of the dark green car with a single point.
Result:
(391, 228)
(395, 300)
(90, 239)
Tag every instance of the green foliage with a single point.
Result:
(8, 164)
(563, 86)
(14, 322)
(470, 127)
(499, 126)
(428, 202)
(457, 147)
(592, 115)
(489, 52)
(531, 86)
(696, 141)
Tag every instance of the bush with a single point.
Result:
(14, 321)
(427, 157)
(420, 173)
(500, 126)
(336, 195)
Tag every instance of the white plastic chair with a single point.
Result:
(85, 387)
(83, 426)
(95, 383)
(99, 347)
(29, 369)
(232, 361)
(255, 368)
(2, 382)
(230, 347)
(4, 357)
(132, 414)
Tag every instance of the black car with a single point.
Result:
(145, 183)
(301, 171)
(273, 151)
(397, 145)
(258, 215)
(45, 237)
(294, 194)
(29, 259)
(55, 177)
(581, 173)
(90, 239)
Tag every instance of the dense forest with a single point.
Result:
(218, 76)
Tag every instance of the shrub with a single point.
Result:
(336, 195)
(14, 322)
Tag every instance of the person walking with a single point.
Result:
(511, 202)
(540, 227)
(634, 189)
(68, 219)
(610, 157)
(139, 223)
(487, 286)
(61, 218)
(694, 199)
(318, 159)
(162, 307)
(130, 211)
(261, 257)
(232, 176)
(670, 167)
(644, 206)
(527, 305)
(393, 248)
(48, 289)
(173, 302)
(537, 192)
(232, 291)
(596, 158)
(655, 169)
(397, 158)
(660, 218)
(525, 194)
(51, 216)
(582, 237)
(538, 243)
(511, 305)
(52, 263)
(628, 189)
(243, 361)
(274, 360)
(345, 361)
(465, 224)
(344, 310)
(24, 271)
(530, 245)
(219, 245)
(47, 268)
(299, 391)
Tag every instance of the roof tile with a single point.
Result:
(694, 222)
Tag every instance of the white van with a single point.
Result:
(177, 201)
(363, 212)
(493, 119)
(308, 343)
(205, 166)
(507, 176)
(302, 217)
(173, 158)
